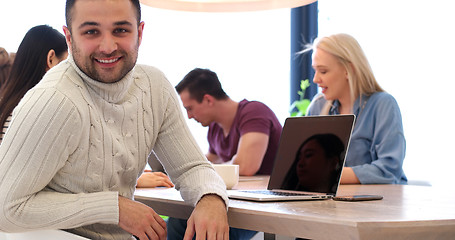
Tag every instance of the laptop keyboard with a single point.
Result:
(268, 192)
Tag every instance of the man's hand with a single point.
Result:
(150, 179)
(208, 220)
(140, 220)
(213, 158)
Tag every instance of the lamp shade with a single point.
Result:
(224, 5)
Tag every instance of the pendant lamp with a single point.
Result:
(224, 5)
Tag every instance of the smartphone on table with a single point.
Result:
(353, 198)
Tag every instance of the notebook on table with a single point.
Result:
(309, 161)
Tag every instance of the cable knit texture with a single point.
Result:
(75, 144)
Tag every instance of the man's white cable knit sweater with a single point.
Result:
(75, 144)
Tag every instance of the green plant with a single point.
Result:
(301, 105)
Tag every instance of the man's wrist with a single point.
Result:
(212, 197)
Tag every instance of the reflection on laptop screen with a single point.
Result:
(311, 159)
(317, 165)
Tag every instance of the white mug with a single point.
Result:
(229, 173)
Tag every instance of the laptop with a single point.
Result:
(309, 161)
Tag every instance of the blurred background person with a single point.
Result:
(377, 148)
(42, 48)
(244, 133)
(6, 61)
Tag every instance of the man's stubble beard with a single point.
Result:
(88, 67)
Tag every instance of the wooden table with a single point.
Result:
(406, 212)
(41, 235)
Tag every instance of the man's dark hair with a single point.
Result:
(70, 5)
(199, 82)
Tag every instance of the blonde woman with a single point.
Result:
(378, 146)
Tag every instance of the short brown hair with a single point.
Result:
(70, 4)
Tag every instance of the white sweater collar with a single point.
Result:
(111, 92)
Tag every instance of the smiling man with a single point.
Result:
(104, 48)
(79, 140)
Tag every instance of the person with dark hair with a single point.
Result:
(199, 82)
(317, 160)
(81, 137)
(41, 49)
(245, 133)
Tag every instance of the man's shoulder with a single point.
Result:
(62, 81)
(147, 68)
(253, 106)
(56, 88)
(151, 76)
(60, 78)
(249, 110)
(142, 70)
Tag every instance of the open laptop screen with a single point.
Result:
(311, 153)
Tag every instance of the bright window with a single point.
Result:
(410, 45)
(250, 52)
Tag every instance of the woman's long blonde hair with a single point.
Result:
(349, 53)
